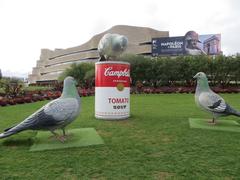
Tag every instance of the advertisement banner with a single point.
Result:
(190, 44)
(167, 46)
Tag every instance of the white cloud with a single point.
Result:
(27, 26)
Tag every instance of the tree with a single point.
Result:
(83, 73)
(0, 74)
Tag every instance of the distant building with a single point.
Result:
(53, 62)
(212, 45)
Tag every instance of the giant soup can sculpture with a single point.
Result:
(112, 90)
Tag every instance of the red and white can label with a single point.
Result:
(112, 90)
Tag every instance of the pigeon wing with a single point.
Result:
(53, 114)
(212, 102)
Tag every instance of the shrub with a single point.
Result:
(84, 73)
(11, 87)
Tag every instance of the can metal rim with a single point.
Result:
(112, 62)
(112, 118)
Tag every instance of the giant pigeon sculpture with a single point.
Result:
(210, 101)
(56, 114)
(111, 46)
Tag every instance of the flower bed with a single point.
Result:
(49, 95)
(34, 96)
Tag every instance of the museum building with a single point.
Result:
(53, 62)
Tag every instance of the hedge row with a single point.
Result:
(167, 71)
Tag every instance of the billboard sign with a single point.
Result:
(167, 46)
(190, 44)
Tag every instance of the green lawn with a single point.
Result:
(155, 143)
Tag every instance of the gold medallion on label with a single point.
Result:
(120, 86)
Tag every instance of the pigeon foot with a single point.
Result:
(62, 138)
(212, 122)
(58, 137)
(65, 137)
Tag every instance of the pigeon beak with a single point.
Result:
(195, 77)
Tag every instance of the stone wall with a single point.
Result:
(53, 62)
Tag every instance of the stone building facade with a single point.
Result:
(53, 62)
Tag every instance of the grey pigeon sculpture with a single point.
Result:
(111, 46)
(210, 101)
(56, 114)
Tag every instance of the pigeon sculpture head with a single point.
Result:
(111, 46)
(69, 87)
(202, 81)
(56, 114)
(200, 75)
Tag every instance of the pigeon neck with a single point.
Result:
(69, 91)
(203, 85)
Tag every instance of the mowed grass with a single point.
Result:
(155, 143)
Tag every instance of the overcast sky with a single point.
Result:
(27, 26)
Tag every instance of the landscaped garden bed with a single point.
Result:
(35, 96)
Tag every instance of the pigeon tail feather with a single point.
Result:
(236, 113)
(232, 111)
(6, 134)
(5, 130)
(12, 130)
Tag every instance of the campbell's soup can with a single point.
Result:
(112, 90)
